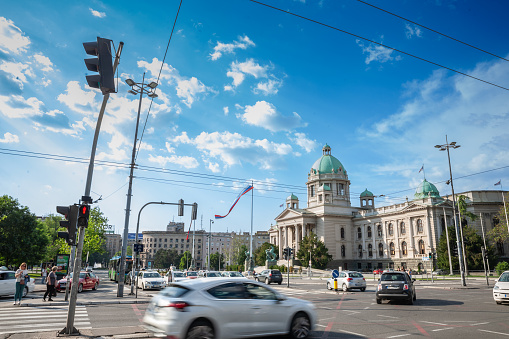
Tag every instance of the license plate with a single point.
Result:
(392, 287)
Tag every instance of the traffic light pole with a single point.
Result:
(70, 329)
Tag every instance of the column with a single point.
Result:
(297, 236)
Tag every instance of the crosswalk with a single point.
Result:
(17, 319)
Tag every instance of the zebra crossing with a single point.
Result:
(17, 319)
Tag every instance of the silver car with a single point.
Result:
(501, 288)
(227, 308)
(8, 284)
(348, 280)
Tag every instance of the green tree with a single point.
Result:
(259, 254)
(22, 236)
(165, 258)
(499, 233)
(51, 224)
(185, 260)
(462, 206)
(242, 256)
(319, 253)
(214, 261)
(129, 251)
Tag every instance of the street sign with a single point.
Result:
(335, 273)
(425, 259)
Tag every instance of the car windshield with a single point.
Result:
(356, 275)
(82, 275)
(393, 277)
(504, 277)
(213, 274)
(151, 275)
(235, 274)
(178, 274)
(192, 274)
(174, 291)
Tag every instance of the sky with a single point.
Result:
(251, 93)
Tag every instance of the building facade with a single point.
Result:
(367, 237)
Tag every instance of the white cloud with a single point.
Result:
(169, 148)
(18, 71)
(97, 14)
(269, 87)
(78, 99)
(411, 31)
(300, 139)
(12, 39)
(377, 53)
(188, 90)
(9, 138)
(44, 61)
(221, 48)
(184, 161)
(226, 110)
(16, 106)
(264, 114)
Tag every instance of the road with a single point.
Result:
(442, 310)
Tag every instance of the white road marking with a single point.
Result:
(506, 334)
(429, 322)
(399, 335)
(442, 329)
(387, 316)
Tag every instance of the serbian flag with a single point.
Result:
(498, 183)
(244, 191)
(189, 230)
(422, 168)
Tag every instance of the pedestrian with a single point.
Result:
(51, 282)
(44, 274)
(20, 275)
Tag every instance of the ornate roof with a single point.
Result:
(327, 163)
(425, 190)
(367, 193)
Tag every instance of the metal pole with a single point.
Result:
(463, 243)
(483, 251)
(484, 240)
(193, 261)
(505, 209)
(210, 239)
(460, 252)
(251, 233)
(448, 245)
(120, 289)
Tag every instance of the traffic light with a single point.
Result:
(105, 80)
(430, 255)
(138, 247)
(290, 252)
(455, 250)
(84, 212)
(181, 208)
(194, 212)
(285, 252)
(71, 215)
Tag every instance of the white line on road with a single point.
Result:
(360, 335)
(507, 334)
(442, 329)
(399, 335)
(429, 322)
(387, 316)
(481, 323)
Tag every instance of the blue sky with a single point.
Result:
(251, 93)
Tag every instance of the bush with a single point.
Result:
(501, 267)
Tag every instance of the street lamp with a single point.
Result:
(136, 88)
(459, 243)
(210, 238)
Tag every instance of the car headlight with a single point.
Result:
(496, 287)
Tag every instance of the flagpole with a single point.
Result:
(505, 210)
(251, 233)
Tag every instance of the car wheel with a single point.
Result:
(345, 289)
(300, 327)
(410, 301)
(415, 297)
(267, 281)
(279, 283)
(200, 330)
(143, 287)
(363, 289)
(378, 300)
(80, 288)
(95, 286)
(25, 291)
(328, 286)
(256, 279)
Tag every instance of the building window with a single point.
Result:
(404, 249)
(369, 232)
(402, 228)
(342, 233)
(392, 249)
(419, 226)
(319, 198)
(343, 251)
(381, 250)
(340, 189)
(360, 251)
(379, 231)
(391, 230)
(370, 250)
(312, 190)
(359, 233)
(421, 247)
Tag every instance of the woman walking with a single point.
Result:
(20, 275)
(51, 282)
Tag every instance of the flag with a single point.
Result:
(189, 230)
(498, 183)
(422, 168)
(244, 191)
(281, 205)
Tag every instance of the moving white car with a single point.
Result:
(501, 288)
(227, 308)
(8, 284)
(348, 280)
(150, 280)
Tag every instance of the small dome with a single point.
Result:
(425, 190)
(327, 163)
(367, 193)
(292, 197)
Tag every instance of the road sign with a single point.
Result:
(425, 259)
(335, 273)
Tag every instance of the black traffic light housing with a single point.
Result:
(138, 247)
(194, 212)
(181, 208)
(83, 214)
(105, 80)
(71, 216)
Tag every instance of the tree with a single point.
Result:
(185, 260)
(242, 256)
(128, 252)
(499, 234)
(166, 258)
(22, 236)
(214, 261)
(259, 254)
(462, 206)
(319, 253)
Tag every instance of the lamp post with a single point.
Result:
(136, 88)
(444, 147)
(210, 238)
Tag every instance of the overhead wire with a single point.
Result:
(379, 44)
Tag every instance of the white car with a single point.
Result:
(210, 274)
(348, 280)
(232, 274)
(174, 276)
(8, 284)
(501, 288)
(150, 280)
(227, 308)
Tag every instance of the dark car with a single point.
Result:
(395, 286)
(270, 276)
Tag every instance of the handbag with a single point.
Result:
(27, 279)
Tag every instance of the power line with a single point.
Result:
(432, 30)
(379, 44)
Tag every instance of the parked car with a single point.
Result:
(209, 274)
(150, 280)
(232, 274)
(395, 286)
(270, 276)
(348, 280)
(501, 288)
(174, 276)
(439, 272)
(191, 274)
(88, 281)
(8, 284)
(227, 308)
(378, 271)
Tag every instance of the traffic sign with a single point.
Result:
(425, 259)
(335, 273)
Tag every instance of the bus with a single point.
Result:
(114, 267)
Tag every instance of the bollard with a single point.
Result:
(335, 284)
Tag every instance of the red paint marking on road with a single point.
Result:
(327, 330)
(137, 312)
(339, 305)
(422, 330)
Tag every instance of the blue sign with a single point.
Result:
(132, 236)
(335, 273)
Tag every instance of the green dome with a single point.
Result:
(367, 193)
(327, 163)
(292, 197)
(425, 190)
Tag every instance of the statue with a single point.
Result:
(270, 254)
(247, 255)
